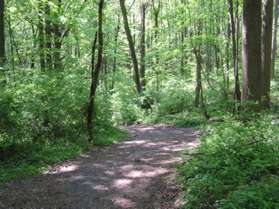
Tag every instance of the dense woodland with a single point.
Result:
(72, 71)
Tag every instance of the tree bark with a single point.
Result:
(142, 44)
(131, 46)
(198, 77)
(237, 93)
(95, 73)
(199, 99)
(274, 41)
(57, 39)
(2, 33)
(41, 36)
(48, 37)
(115, 50)
(252, 55)
(267, 51)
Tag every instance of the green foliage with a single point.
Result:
(6, 108)
(43, 122)
(174, 98)
(234, 166)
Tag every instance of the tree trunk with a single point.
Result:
(252, 56)
(142, 44)
(48, 37)
(237, 93)
(131, 46)
(41, 36)
(33, 59)
(267, 51)
(274, 41)
(198, 77)
(10, 31)
(156, 11)
(95, 73)
(57, 39)
(2, 33)
(115, 50)
(199, 99)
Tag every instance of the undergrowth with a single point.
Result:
(236, 165)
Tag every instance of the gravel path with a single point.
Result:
(138, 173)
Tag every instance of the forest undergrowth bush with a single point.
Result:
(43, 121)
(236, 165)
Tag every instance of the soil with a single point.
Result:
(138, 173)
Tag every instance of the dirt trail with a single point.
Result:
(138, 173)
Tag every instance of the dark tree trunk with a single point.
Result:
(48, 37)
(57, 39)
(41, 36)
(2, 33)
(237, 93)
(252, 56)
(227, 72)
(199, 99)
(142, 44)
(131, 46)
(198, 77)
(115, 50)
(32, 58)
(267, 51)
(156, 11)
(11, 43)
(274, 41)
(95, 73)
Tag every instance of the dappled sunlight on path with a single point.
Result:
(131, 174)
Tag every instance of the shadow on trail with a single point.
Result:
(131, 174)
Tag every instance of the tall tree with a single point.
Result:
(95, 71)
(252, 52)
(142, 43)
(131, 46)
(237, 93)
(156, 12)
(41, 35)
(117, 29)
(57, 37)
(267, 50)
(274, 41)
(2, 33)
(48, 36)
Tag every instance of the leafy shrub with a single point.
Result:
(234, 166)
(6, 109)
(174, 98)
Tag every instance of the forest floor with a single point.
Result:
(137, 173)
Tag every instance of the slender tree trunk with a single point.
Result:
(198, 77)
(227, 73)
(142, 44)
(131, 46)
(115, 50)
(267, 51)
(41, 36)
(2, 33)
(11, 43)
(32, 59)
(156, 11)
(237, 93)
(274, 41)
(57, 39)
(199, 99)
(48, 37)
(252, 56)
(95, 73)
